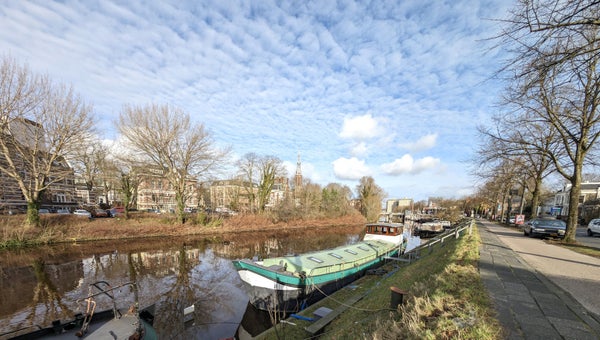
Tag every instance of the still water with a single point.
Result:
(43, 284)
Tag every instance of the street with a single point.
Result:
(581, 236)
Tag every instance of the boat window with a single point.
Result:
(392, 230)
(336, 256)
(384, 229)
(351, 252)
(312, 258)
(363, 248)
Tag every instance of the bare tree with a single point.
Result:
(556, 51)
(269, 169)
(41, 124)
(370, 195)
(248, 173)
(526, 144)
(165, 138)
(310, 198)
(259, 175)
(88, 160)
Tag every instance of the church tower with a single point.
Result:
(298, 176)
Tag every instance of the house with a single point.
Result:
(23, 138)
(587, 205)
(233, 194)
(157, 194)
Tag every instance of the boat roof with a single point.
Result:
(328, 257)
(387, 224)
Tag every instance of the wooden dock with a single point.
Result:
(318, 325)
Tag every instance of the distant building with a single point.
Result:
(155, 192)
(398, 205)
(587, 204)
(280, 190)
(60, 192)
(233, 194)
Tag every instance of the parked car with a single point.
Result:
(545, 227)
(43, 211)
(82, 213)
(98, 213)
(114, 212)
(594, 227)
(63, 211)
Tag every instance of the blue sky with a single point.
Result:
(388, 89)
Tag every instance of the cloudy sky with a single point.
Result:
(388, 89)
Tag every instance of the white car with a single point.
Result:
(594, 227)
(82, 213)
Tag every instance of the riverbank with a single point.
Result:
(445, 299)
(56, 229)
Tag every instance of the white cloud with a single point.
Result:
(350, 168)
(423, 143)
(361, 127)
(408, 165)
(273, 77)
(359, 149)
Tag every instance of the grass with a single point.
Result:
(580, 248)
(446, 299)
(55, 229)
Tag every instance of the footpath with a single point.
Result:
(540, 291)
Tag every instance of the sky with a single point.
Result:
(388, 89)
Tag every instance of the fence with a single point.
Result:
(413, 254)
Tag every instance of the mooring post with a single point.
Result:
(397, 297)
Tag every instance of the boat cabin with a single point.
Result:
(387, 229)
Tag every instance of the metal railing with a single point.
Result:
(413, 254)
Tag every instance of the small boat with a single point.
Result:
(114, 323)
(289, 283)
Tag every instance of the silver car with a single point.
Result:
(593, 227)
(545, 227)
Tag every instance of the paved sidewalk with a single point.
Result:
(529, 305)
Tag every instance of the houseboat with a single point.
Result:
(113, 323)
(289, 283)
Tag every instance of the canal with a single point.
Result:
(44, 284)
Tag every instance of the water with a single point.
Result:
(43, 284)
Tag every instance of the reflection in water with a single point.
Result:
(40, 285)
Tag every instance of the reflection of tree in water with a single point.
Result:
(181, 295)
(195, 283)
(45, 294)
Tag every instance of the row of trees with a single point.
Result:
(550, 119)
(47, 131)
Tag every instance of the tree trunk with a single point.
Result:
(573, 204)
(33, 215)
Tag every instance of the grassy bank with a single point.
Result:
(446, 299)
(68, 228)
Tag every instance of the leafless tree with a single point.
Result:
(41, 124)
(310, 198)
(166, 138)
(519, 140)
(248, 173)
(370, 195)
(259, 175)
(555, 47)
(270, 168)
(88, 161)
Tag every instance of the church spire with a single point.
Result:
(298, 177)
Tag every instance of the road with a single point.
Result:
(575, 273)
(581, 237)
